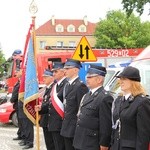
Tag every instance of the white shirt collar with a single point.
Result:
(127, 96)
(49, 85)
(58, 82)
(93, 90)
(72, 80)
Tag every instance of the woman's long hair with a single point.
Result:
(137, 89)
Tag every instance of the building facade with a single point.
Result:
(58, 34)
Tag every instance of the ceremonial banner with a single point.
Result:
(23, 66)
(31, 84)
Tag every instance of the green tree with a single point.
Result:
(131, 5)
(120, 31)
(2, 61)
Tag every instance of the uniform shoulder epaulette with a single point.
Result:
(148, 96)
(105, 92)
(143, 95)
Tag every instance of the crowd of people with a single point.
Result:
(84, 116)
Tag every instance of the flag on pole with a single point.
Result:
(31, 84)
(23, 66)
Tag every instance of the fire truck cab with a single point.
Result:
(43, 60)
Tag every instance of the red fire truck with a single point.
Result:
(45, 59)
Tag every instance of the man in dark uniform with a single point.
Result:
(56, 108)
(49, 82)
(14, 100)
(73, 93)
(93, 129)
(27, 128)
(25, 131)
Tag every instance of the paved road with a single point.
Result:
(8, 132)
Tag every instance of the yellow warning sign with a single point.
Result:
(83, 51)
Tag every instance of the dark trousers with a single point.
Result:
(29, 131)
(48, 139)
(58, 140)
(20, 132)
(19, 126)
(69, 143)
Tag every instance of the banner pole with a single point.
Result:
(37, 114)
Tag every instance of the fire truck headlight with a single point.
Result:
(2, 110)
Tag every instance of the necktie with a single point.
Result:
(57, 86)
(46, 90)
(122, 102)
(66, 89)
(90, 92)
(67, 86)
(123, 99)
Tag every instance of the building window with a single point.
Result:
(42, 44)
(71, 28)
(59, 44)
(82, 28)
(59, 28)
(71, 44)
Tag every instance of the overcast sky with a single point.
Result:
(16, 18)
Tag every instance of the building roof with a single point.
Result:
(49, 28)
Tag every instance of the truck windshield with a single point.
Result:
(109, 76)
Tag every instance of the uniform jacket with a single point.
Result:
(21, 113)
(72, 96)
(54, 119)
(45, 103)
(134, 116)
(14, 97)
(94, 121)
(17, 104)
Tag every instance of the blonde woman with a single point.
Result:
(131, 113)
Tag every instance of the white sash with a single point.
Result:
(56, 102)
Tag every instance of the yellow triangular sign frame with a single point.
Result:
(84, 51)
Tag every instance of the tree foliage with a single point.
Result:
(120, 31)
(130, 5)
(2, 61)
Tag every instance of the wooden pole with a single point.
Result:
(37, 114)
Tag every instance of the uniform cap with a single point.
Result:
(71, 63)
(47, 73)
(131, 73)
(95, 70)
(57, 65)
